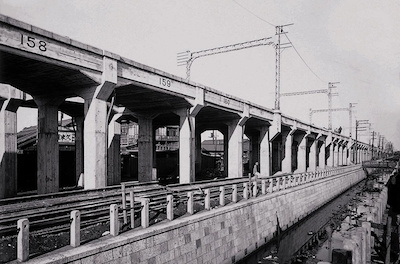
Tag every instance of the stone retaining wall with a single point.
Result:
(223, 235)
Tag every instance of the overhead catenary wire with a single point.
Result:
(303, 59)
(248, 10)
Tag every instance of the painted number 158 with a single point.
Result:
(32, 43)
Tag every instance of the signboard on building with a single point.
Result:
(66, 137)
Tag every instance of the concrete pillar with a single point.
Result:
(47, 146)
(336, 155)
(95, 126)
(322, 161)
(340, 155)
(235, 149)
(226, 152)
(302, 155)
(95, 148)
(330, 161)
(265, 160)
(287, 141)
(114, 151)
(146, 147)
(79, 149)
(8, 148)
(198, 151)
(349, 154)
(186, 147)
(313, 155)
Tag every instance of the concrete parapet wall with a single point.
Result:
(223, 235)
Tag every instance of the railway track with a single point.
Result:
(51, 213)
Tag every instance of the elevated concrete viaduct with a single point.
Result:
(52, 68)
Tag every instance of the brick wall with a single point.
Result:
(223, 235)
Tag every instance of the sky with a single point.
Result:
(354, 42)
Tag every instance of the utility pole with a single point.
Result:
(358, 128)
(326, 91)
(329, 110)
(372, 148)
(331, 85)
(278, 49)
(187, 58)
(351, 105)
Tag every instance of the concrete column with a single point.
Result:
(265, 167)
(186, 147)
(8, 148)
(226, 152)
(79, 149)
(313, 156)
(322, 161)
(350, 153)
(95, 148)
(146, 144)
(330, 161)
(235, 149)
(336, 155)
(197, 151)
(114, 152)
(302, 155)
(47, 146)
(340, 155)
(287, 141)
(95, 126)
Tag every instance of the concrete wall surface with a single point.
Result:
(223, 235)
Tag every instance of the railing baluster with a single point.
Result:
(170, 207)
(222, 196)
(234, 193)
(75, 229)
(114, 224)
(207, 199)
(245, 190)
(263, 186)
(145, 212)
(132, 205)
(190, 208)
(23, 239)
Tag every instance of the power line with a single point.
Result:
(303, 59)
(253, 14)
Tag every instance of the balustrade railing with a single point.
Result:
(251, 189)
